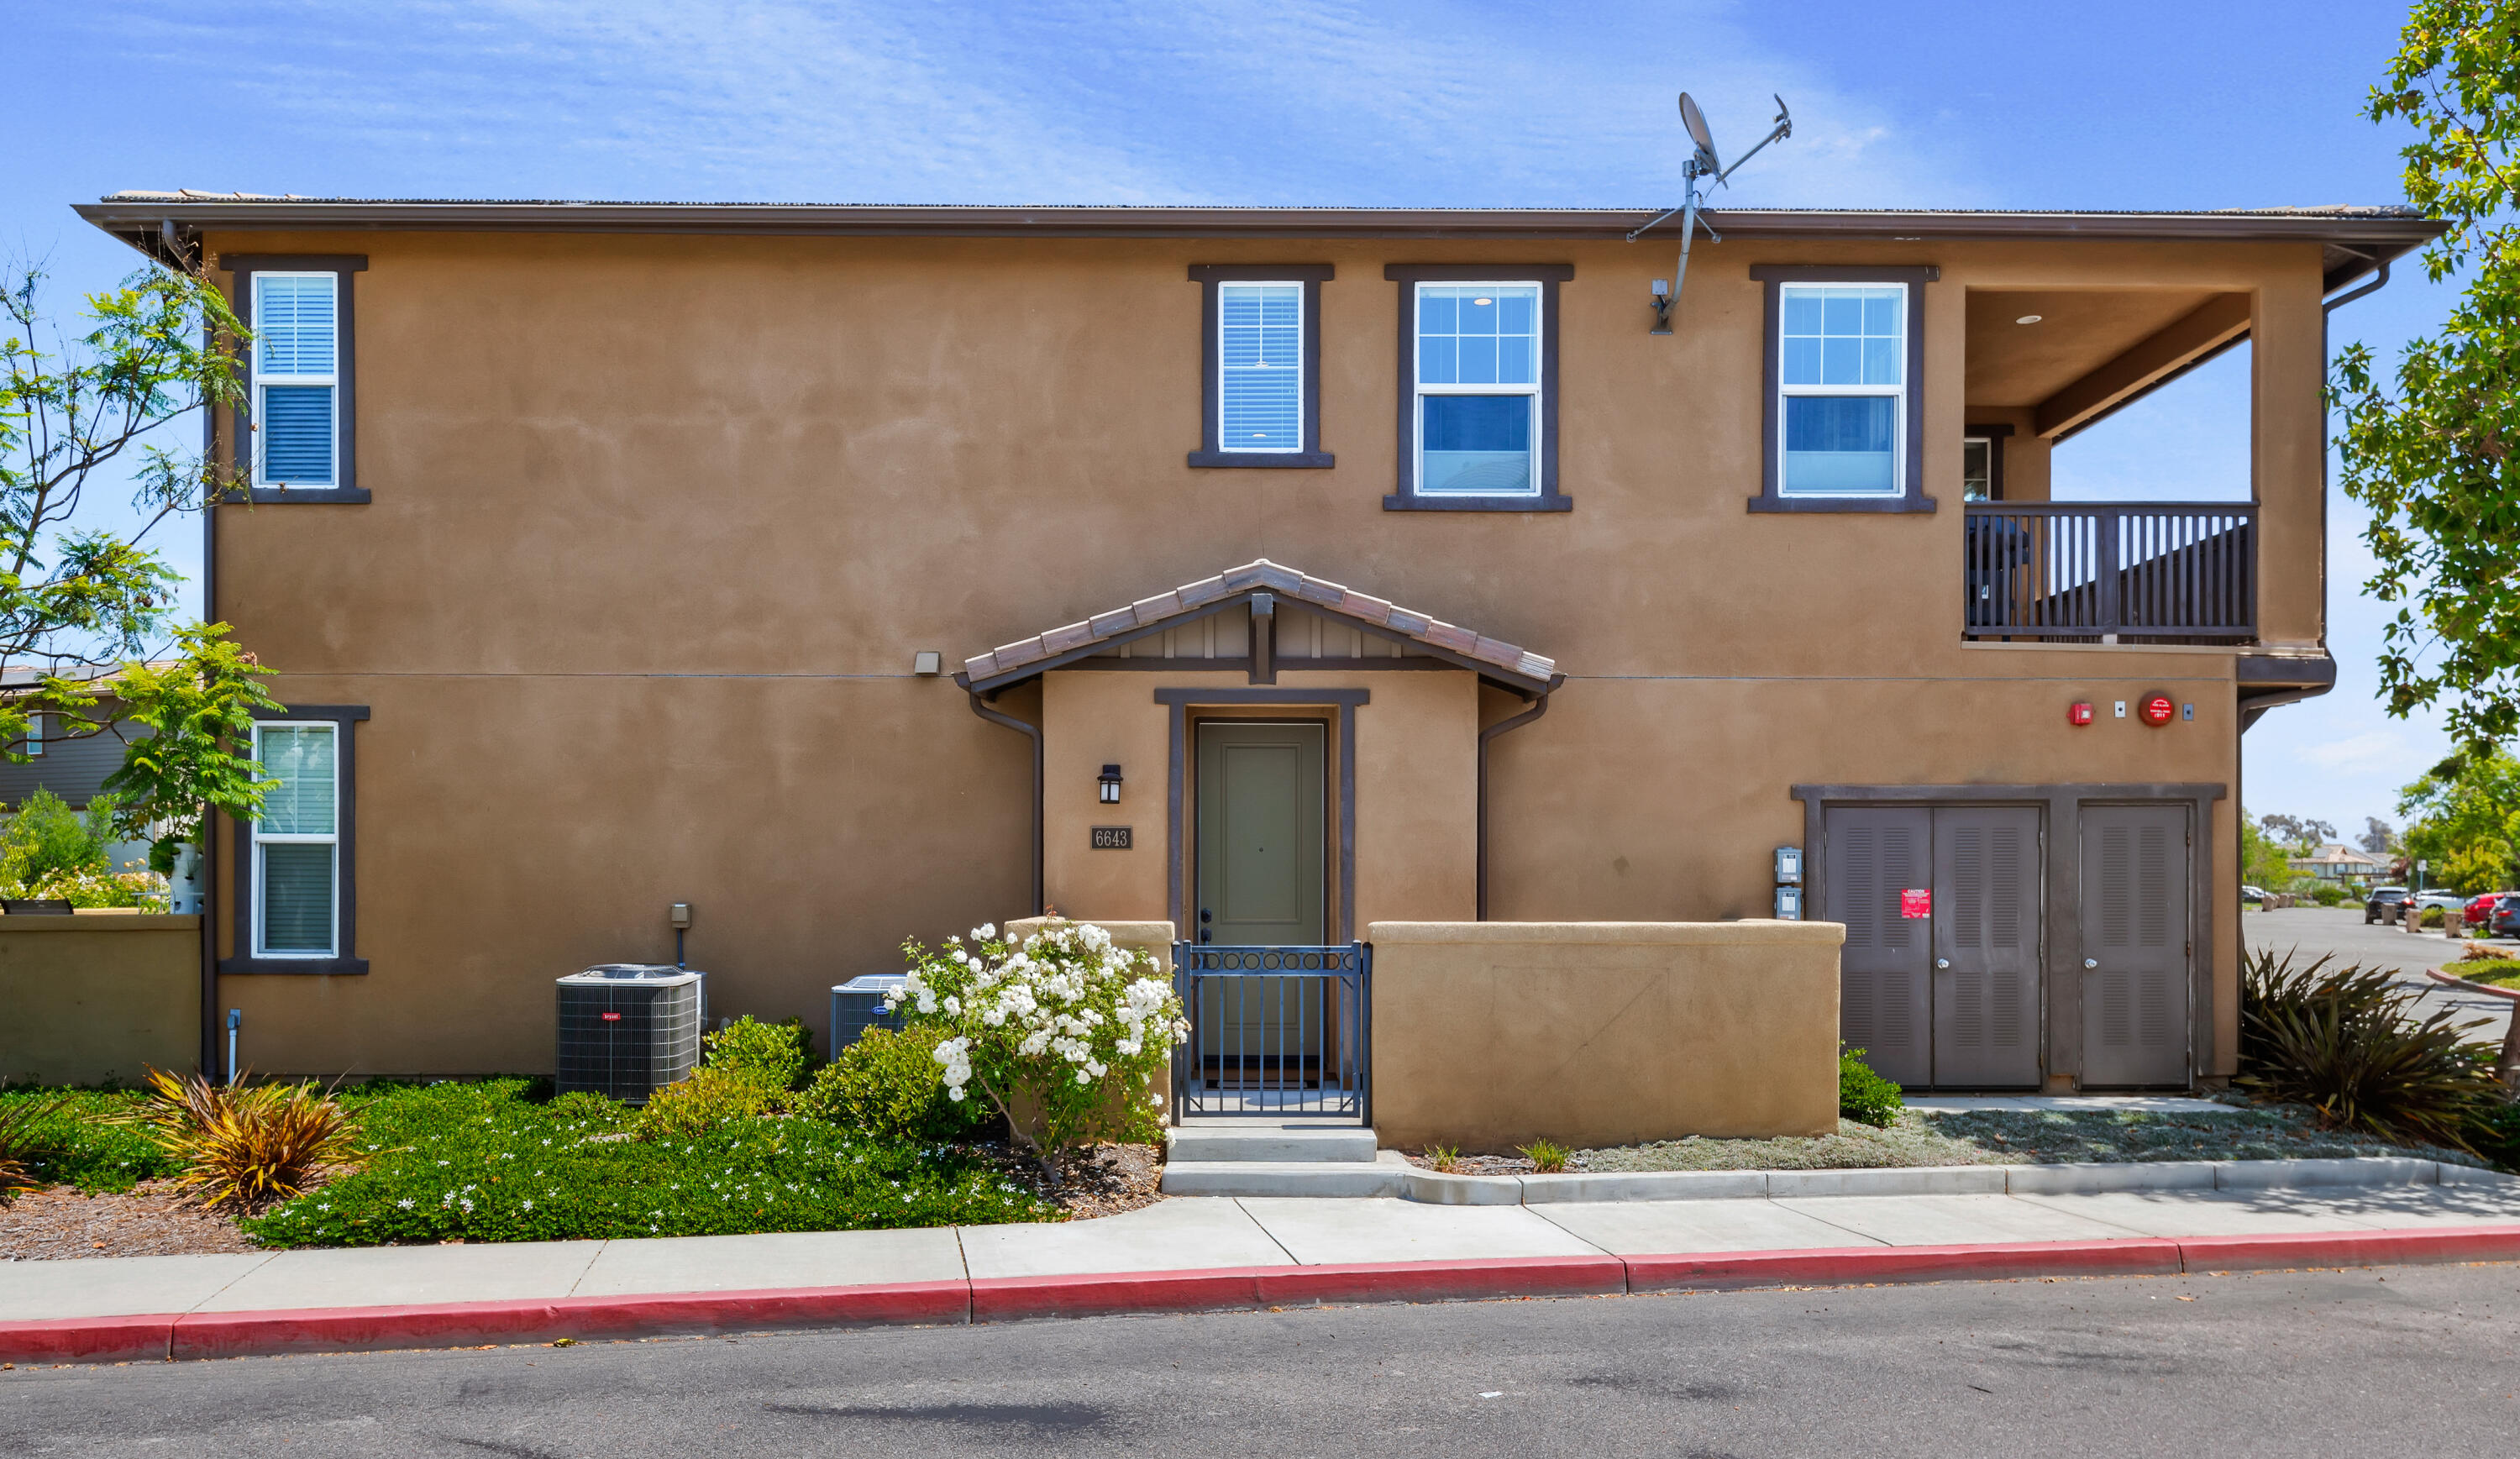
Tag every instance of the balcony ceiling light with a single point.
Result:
(2030, 319)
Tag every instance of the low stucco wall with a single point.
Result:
(91, 1000)
(1491, 1035)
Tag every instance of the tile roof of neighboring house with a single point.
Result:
(2334, 851)
(1263, 576)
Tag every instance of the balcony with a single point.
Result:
(2150, 572)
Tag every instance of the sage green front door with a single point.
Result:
(1262, 793)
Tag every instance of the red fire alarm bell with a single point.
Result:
(2157, 709)
(2078, 714)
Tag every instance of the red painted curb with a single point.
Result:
(1086, 1295)
(87, 1340)
(1443, 1281)
(2397, 1248)
(1839, 1265)
(471, 1323)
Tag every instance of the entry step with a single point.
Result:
(1260, 1177)
(1268, 1144)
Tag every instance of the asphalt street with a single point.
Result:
(2304, 1364)
(2340, 930)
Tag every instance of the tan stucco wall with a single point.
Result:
(99, 999)
(660, 521)
(1491, 1035)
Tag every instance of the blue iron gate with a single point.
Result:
(1275, 1031)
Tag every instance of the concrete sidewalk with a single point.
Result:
(1204, 1253)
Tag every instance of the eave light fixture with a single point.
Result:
(2030, 319)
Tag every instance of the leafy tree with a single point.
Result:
(2299, 831)
(92, 603)
(2432, 459)
(46, 838)
(2265, 861)
(2379, 839)
(2466, 820)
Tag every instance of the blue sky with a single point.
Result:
(2132, 105)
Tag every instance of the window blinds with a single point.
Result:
(296, 354)
(1260, 367)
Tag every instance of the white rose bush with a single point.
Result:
(1067, 1035)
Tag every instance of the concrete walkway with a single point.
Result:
(1195, 1235)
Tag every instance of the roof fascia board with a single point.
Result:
(131, 219)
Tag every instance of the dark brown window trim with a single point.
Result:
(1404, 496)
(1915, 277)
(1312, 276)
(241, 881)
(343, 266)
(1995, 435)
(1178, 705)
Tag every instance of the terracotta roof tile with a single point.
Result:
(1261, 575)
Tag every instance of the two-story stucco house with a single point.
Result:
(853, 574)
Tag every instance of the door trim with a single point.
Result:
(2063, 833)
(1179, 702)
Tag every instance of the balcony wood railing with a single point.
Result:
(2111, 572)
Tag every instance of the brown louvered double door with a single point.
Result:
(2135, 945)
(1949, 998)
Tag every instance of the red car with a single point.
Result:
(2480, 911)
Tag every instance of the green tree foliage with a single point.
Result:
(76, 409)
(2466, 820)
(46, 839)
(2430, 453)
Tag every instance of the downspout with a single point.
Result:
(1033, 733)
(1538, 707)
(210, 862)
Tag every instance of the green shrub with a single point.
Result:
(477, 1162)
(890, 1085)
(2498, 1139)
(2344, 1044)
(1863, 1095)
(2328, 895)
(1546, 1158)
(708, 1098)
(774, 1054)
(2431, 916)
(71, 1142)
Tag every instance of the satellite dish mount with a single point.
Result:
(1702, 164)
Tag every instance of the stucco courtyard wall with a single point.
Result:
(1492, 1035)
(92, 1000)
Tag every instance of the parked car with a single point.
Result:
(2506, 921)
(2382, 897)
(2480, 910)
(2446, 901)
(2253, 894)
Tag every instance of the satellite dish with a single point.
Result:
(1702, 164)
(1695, 120)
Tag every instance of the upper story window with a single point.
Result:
(1844, 350)
(296, 352)
(1478, 390)
(1261, 374)
(1478, 385)
(300, 430)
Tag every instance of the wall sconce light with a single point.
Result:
(1110, 784)
(1662, 306)
(928, 663)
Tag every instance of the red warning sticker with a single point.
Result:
(1916, 901)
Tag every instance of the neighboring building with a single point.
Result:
(70, 763)
(2338, 863)
(1402, 567)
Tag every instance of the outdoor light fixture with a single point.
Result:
(1110, 784)
(928, 663)
(2030, 319)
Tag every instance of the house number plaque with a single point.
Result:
(1111, 837)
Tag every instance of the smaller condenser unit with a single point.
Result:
(628, 1028)
(856, 1005)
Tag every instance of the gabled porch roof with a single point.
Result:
(1514, 667)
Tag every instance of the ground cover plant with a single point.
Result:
(483, 1162)
(69, 1141)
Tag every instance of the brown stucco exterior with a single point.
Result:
(98, 998)
(660, 521)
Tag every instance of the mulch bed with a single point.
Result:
(149, 1221)
(60, 1224)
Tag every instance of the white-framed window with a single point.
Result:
(35, 732)
(1842, 361)
(1260, 366)
(296, 405)
(1977, 468)
(1478, 368)
(297, 840)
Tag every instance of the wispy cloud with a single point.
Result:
(2379, 749)
(1268, 101)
